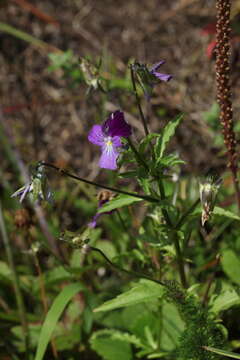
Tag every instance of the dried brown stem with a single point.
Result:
(224, 87)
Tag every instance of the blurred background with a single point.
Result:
(49, 117)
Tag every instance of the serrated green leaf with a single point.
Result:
(144, 290)
(222, 352)
(118, 202)
(170, 160)
(222, 212)
(108, 347)
(168, 132)
(53, 316)
(231, 265)
(225, 300)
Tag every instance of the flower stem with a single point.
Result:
(144, 122)
(63, 172)
(137, 155)
(129, 272)
(185, 215)
(16, 285)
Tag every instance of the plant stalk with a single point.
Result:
(66, 173)
(224, 100)
(144, 122)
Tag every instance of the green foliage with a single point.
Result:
(118, 202)
(141, 292)
(111, 345)
(231, 264)
(225, 300)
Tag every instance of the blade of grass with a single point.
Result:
(15, 280)
(222, 352)
(53, 316)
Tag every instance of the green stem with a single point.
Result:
(185, 215)
(16, 284)
(179, 256)
(129, 272)
(137, 155)
(144, 122)
(163, 196)
(63, 172)
(180, 261)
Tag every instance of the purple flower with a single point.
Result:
(158, 75)
(108, 136)
(149, 77)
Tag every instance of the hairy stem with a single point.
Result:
(144, 122)
(66, 173)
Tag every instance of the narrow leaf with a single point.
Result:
(118, 202)
(222, 352)
(143, 291)
(53, 316)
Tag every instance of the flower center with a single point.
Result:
(108, 141)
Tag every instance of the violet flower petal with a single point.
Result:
(108, 159)
(163, 77)
(116, 140)
(93, 223)
(96, 135)
(116, 125)
(156, 66)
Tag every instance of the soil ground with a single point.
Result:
(47, 127)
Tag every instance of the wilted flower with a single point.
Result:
(108, 136)
(103, 197)
(208, 193)
(148, 77)
(38, 186)
(23, 191)
(91, 73)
